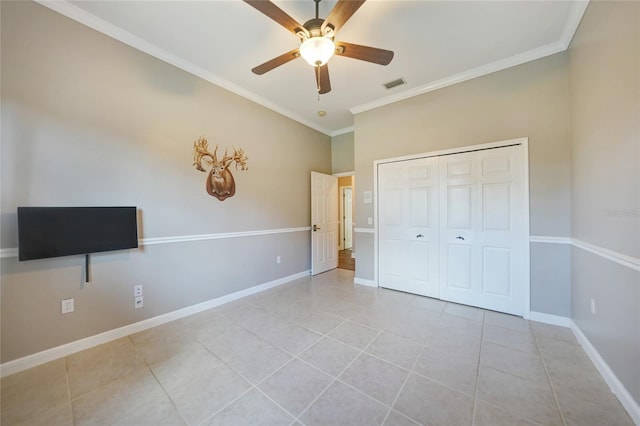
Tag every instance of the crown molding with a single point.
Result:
(342, 131)
(480, 71)
(575, 16)
(80, 15)
(77, 14)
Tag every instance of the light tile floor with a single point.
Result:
(321, 351)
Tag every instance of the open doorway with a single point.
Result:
(346, 259)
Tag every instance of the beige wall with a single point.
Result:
(605, 182)
(529, 100)
(342, 153)
(87, 120)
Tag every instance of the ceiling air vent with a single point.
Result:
(394, 83)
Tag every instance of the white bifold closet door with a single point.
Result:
(451, 227)
(408, 226)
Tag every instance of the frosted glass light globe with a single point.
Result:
(317, 50)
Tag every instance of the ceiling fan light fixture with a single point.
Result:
(317, 50)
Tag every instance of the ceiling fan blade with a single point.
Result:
(322, 79)
(276, 62)
(277, 14)
(341, 12)
(364, 53)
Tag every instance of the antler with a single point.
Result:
(238, 156)
(201, 150)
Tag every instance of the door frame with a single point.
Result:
(341, 191)
(524, 141)
(353, 188)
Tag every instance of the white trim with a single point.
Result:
(614, 256)
(8, 252)
(362, 281)
(223, 235)
(524, 141)
(80, 15)
(573, 21)
(549, 240)
(623, 395)
(40, 358)
(344, 174)
(575, 16)
(458, 150)
(480, 71)
(342, 131)
(616, 386)
(549, 319)
(13, 252)
(364, 230)
(526, 312)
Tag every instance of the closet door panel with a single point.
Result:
(459, 264)
(481, 228)
(501, 191)
(408, 226)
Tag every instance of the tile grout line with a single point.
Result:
(475, 393)
(411, 370)
(68, 383)
(546, 370)
(335, 378)
(146, 363)
(502, 408)
(255, 385)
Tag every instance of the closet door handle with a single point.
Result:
(459, 238)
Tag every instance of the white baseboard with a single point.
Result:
(362, 281)
(67, 349)
(550, 319)
(609, 376)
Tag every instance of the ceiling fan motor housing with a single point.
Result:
(314, 28)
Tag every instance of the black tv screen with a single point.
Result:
(62, 231)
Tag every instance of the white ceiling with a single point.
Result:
(436, 43)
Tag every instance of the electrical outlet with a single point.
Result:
(66, 306)
(138, 302)
(278, 259)
(137, 290)
(593, 306)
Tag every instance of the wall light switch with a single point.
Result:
(138, 302)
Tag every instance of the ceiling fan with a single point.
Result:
(317, 40)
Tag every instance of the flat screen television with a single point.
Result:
(62, 231)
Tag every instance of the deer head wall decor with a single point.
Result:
(220, 182)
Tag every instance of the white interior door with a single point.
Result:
(324, 222)
(482, 216)
(408, 226)
(348, 218)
